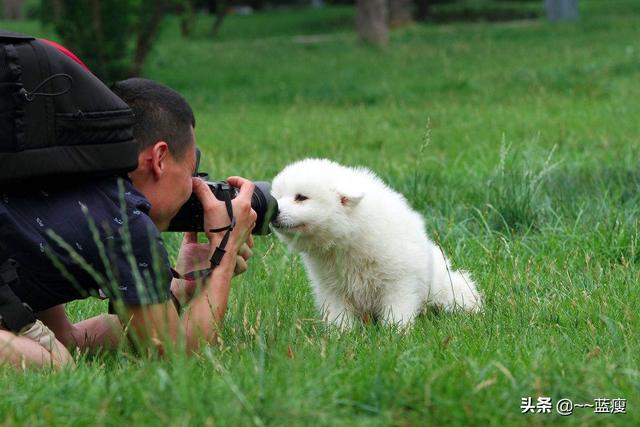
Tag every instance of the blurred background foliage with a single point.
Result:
(114, 37)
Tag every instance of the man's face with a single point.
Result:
(174, 187)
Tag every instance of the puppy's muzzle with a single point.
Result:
(282, 223)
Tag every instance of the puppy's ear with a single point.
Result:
(350, 198)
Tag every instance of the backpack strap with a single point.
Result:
(14, 314)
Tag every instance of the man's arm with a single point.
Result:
(157, 325)
(99, 332)
(189, 259)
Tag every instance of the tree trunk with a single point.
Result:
(145, 37)
(371, 22)
(98, 33)
(13, 10)
(400, 13)
(58, 11)
(223, 7)
(423, 9)
(188, 18)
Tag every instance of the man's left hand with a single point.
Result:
(243, 257)
(196, 256)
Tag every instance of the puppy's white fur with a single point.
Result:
(364, 248)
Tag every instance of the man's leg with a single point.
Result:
(21, 351)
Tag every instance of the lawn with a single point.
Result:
(517, 141)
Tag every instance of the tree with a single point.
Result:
(13, 10)
(149, 16)
(422, 9)
(188, 18)
(219, 8)
(371, 21)
(400, 13)
(113, 37)
(223, 7)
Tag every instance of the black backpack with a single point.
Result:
(57, 120)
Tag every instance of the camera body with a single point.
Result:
(190, 217)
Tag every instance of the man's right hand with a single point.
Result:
(216, 216)
(245, 216)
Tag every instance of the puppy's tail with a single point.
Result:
(457, 292)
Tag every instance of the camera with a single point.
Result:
(190, 217)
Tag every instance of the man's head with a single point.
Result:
(164, 129)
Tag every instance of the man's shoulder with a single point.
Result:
(129, 207)
(114, 196)
(108, 203)
(119, 190)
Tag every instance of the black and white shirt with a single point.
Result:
(92, 238)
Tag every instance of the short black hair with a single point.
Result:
(162, 114)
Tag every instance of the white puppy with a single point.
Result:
(364, 248)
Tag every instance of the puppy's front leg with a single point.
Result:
(400, 308)
(334, 311)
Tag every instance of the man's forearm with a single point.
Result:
(205, 315)
(183, 290)
(98, 332)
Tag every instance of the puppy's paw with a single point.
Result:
(340, 318)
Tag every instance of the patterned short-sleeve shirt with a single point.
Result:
(92, 238)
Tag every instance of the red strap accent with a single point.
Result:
(66, 52)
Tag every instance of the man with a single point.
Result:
(103, 237)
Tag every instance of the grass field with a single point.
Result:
(518, 142)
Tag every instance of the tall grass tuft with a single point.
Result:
(516, 201)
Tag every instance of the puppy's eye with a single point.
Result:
(300, 197)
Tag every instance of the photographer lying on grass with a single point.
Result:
(47, 232)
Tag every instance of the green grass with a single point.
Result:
(519, 142)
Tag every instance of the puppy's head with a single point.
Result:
(316, 202)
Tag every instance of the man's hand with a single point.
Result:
(216, 216)
(194, 256)
(243, 259)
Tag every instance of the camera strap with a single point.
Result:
(219, 251)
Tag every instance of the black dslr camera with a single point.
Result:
(190, 217)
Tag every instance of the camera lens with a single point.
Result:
(265, 205)
(191, 216)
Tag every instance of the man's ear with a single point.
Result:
(350, 197)
(159, 153)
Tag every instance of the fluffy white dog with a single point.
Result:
(364, 248)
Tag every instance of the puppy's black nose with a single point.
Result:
(276, 221)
